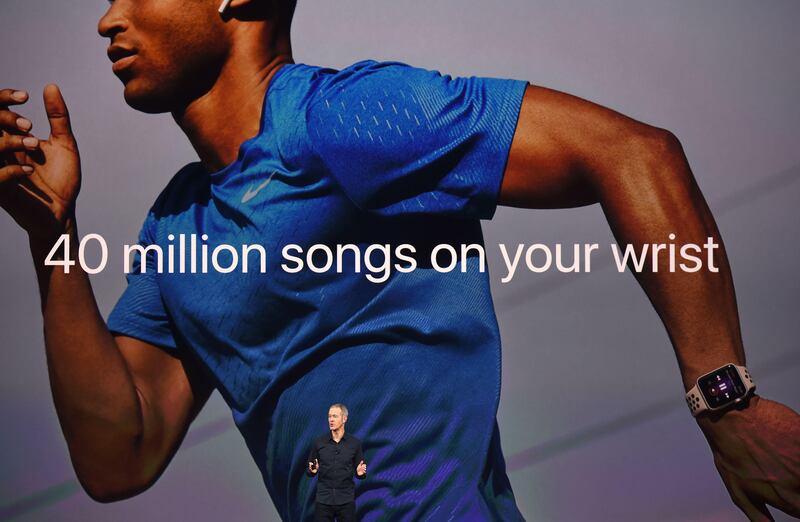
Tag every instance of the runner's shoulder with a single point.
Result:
(374, 74)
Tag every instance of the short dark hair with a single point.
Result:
(278, 12)
(341, 407)
(284, 10)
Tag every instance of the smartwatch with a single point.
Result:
(719, 389)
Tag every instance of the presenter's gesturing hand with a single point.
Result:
(39, 179)
(313, 467)
(361, 469)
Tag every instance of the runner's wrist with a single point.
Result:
(57, 227)
(41, 242)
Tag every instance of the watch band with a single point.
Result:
(697, 402)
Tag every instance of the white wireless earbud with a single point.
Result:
(224, 5)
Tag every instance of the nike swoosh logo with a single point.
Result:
(252, 192)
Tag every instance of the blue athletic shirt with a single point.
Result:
(377, 153)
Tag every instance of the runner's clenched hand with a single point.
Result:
(39, 179)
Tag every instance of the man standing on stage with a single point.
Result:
(334, 456)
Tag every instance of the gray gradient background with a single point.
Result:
(592, 416)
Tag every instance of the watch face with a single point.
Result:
(721, 387)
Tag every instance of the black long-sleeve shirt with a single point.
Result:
(337, 465)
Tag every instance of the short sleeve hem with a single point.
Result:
(140, 312)
(120, 326)
(503, 104)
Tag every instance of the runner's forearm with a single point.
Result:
(646, 203)
(94, 394)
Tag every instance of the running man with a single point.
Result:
(376, 153)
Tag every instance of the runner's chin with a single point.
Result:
(144, 92)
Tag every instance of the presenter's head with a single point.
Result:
(168, 53)
(337, 416)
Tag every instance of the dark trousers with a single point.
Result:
(341, 513)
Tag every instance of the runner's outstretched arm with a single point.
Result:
(569, 152)
(123, 404)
